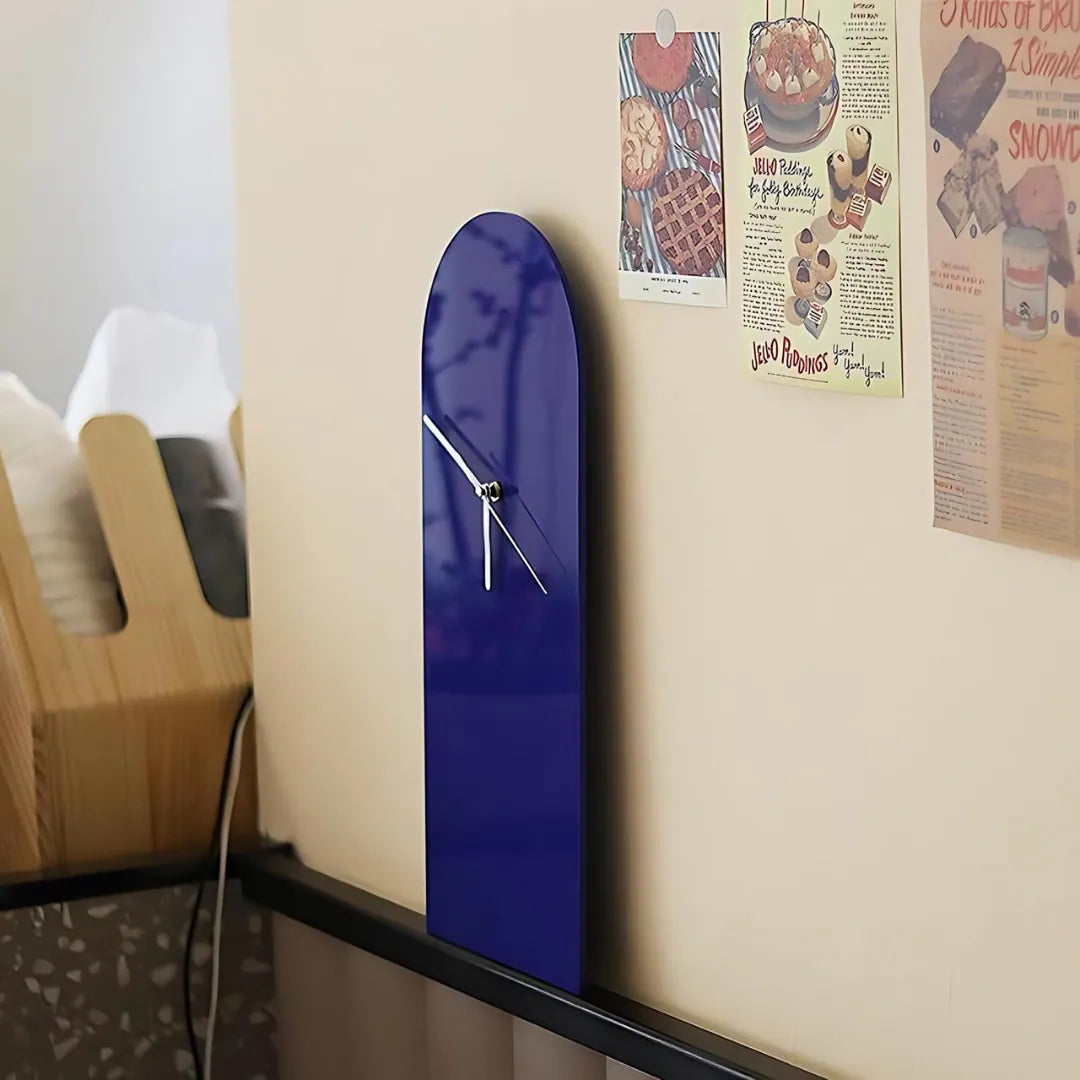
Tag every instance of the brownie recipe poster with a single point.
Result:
(814, 195)
(1002, 80)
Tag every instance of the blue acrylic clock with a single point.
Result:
(503, 603)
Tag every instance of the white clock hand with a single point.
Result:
(520, 553)
(459, 461)
(487, 543)
(482, 491)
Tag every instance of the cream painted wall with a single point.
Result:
(842, 750)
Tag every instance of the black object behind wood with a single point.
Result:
(211, 523)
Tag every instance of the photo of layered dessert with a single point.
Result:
(791, 92)
(671, 157)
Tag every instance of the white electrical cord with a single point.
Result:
(219, 900)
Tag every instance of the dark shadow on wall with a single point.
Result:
(606, 844)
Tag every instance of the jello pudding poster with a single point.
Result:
(1002, 80)
(816, 204)
(671, 237)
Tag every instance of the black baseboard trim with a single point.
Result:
(653, 1042)
(114, 878)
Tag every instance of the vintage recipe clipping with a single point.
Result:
(1003, 141)
(671, 237)
(815, 198)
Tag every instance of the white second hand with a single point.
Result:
(521, 554)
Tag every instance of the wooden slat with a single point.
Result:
(114, 746)
(139, 518)
(236, 435)
(18, 786)
(60, 671)
(95, 796)
(183, 738)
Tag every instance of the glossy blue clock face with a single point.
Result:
(503, 617)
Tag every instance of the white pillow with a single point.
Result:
(57, 514)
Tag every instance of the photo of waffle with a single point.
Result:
(791, 91)
(672, 204)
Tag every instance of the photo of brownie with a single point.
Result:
(967, 90)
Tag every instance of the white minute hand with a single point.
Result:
(459, 461)
(520, 553)
(482, 492)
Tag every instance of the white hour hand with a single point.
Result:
(459, 461)
(487, 543)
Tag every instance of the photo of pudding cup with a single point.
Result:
(823, 266)
(802, 280)
(839, 166)
(838, 206)
(858, 148)
(806, 244)
(840, 189)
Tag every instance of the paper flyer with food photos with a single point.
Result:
(813, 197)
(671, 236)
(1002, 81)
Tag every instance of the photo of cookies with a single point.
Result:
(672, 240)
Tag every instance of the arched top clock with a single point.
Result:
(503, 602)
